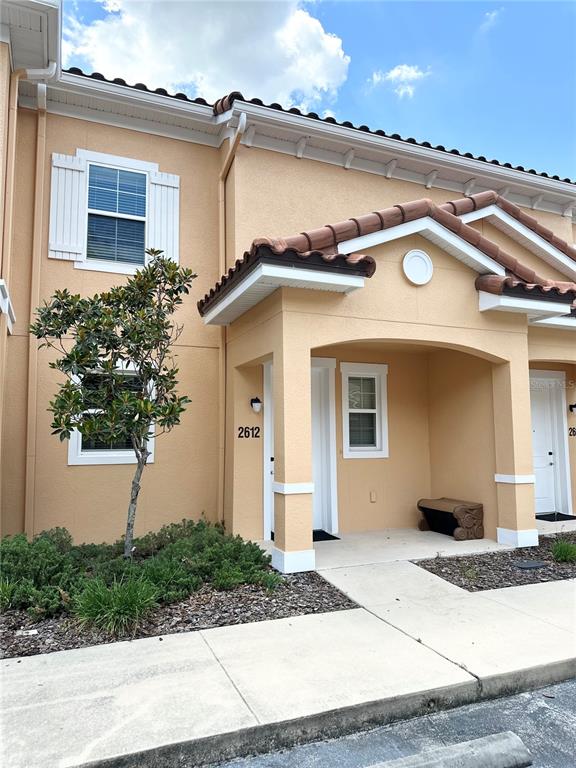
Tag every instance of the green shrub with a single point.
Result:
(39, 575)
(564, 551)
(7, 590)
(173, 578)
(46, 575)
(116, 609)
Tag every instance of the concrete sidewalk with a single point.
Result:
(418, 643)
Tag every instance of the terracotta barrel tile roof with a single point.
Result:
(500, 284)
(281, 252)
(320, 246)
(222, 105)
(484, 199)
(226, 103)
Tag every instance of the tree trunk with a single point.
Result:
(129, 538)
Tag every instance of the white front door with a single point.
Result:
(543, 444)
(549, 442)
(325, 509)
(320, 450)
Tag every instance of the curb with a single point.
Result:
(270, 737)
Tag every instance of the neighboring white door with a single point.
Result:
(543, 444)
(552, 489)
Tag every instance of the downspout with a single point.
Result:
(6, 243)
(31, 410)
(222, 390)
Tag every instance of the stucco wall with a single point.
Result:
(271, 194)
(92, 501)
(396, 482)
(461, 413)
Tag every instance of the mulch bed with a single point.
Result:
(299, 594)
(494, 570)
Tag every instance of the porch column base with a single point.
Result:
(512, 538)
(293, 562)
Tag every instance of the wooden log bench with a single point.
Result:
(454, 517)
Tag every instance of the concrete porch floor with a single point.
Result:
(390, 545)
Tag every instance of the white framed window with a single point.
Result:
(106, 210)
(364, 410)
(88, 451)
(116, 226)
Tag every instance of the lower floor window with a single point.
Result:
(364, 410)
(84, 449)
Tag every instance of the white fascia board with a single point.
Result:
(266, 278)
(520, 232)
(352, 137)
(534, 307)
(561, 323)
(124, 94)
(433, 231)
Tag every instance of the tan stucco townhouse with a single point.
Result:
(375, 320)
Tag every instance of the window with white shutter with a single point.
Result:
(107, 210)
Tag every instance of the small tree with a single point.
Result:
(115, 351)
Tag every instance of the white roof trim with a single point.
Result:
(534, 308)
(525, 236)
(437, 234)
(562, 323)
(266, 278)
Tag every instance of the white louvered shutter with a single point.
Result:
(164, 214)
(67, 238)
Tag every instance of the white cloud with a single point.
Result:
(403, 76)
(490, 19)
(274, 50)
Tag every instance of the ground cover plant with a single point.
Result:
(555, 558)
(97, 585)
(564, 551)
(55, 595)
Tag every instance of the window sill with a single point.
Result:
(95, 458)
(108, 266)
(348, 454)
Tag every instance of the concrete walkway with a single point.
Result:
(416, 639)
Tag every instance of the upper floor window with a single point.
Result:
(116, 215)
(106, 210)
(364, 410)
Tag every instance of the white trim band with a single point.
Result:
(512, 538)
(293, 562)
(288, 489)
(515, 479)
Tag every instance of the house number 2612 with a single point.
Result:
(248, 431)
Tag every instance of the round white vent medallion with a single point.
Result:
(418, 267)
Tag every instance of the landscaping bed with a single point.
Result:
(55, 595)
(296, 595)
(494, 570)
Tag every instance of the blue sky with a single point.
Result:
(495, 79)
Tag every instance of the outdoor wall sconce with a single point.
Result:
(572, 407)
(256, 404)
